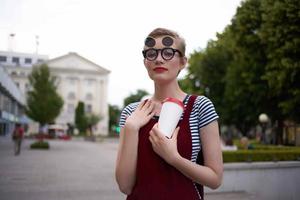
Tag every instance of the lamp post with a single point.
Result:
(263, 119)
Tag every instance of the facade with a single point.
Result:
(15, 59)
(11, 104)
(79, 79)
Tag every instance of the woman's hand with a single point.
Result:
(143, 113)
(128, 147)
(164, 147)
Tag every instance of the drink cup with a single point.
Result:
(170, 114)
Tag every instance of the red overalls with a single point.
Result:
(155, 178)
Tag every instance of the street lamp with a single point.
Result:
(263, 119)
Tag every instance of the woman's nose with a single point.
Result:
(159, 57)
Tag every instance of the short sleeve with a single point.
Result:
(126, 112)
(207, 112)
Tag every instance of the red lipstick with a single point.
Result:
(160, 69)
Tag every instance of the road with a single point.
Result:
(75, 169)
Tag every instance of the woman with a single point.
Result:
(151, 166)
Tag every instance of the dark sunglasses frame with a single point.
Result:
(161, 53)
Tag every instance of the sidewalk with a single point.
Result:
(73, 169)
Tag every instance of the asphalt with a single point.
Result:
(74, 169)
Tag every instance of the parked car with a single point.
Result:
(58, 131)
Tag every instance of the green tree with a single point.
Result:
(135, 97)
(245, 89)
(280, 35)
(114, 115)
(265, 69)
(207, 69)
(80, 119)
(91, 120)
(43, 102)
(230, 69)
(253, 66)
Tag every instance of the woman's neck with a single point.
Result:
(162, 91)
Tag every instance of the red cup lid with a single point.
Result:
(174, 100)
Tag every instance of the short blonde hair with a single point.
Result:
(158, 32)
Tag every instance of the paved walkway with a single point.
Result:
(76, 169)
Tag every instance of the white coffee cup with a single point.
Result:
(170, 114)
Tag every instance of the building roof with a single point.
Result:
(23, 59)
(73, 59)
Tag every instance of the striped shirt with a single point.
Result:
(203, 113)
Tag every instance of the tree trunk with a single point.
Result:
(279, 133)
(41, 134)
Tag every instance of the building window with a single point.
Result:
(40, 60)
(72, 81)
(89, 97)
(27, 87)
(16, 60)
(90, 81)
(3, 58)
(17, 84)
(88, 108)
(6, 104)
(1, 100)
(13, 73)
(28, 60)
(71, 96)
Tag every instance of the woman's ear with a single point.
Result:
(183, 62)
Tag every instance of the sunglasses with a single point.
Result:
(166, 53)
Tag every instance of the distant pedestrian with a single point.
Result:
(17, 136)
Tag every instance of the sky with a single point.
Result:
(110, 32)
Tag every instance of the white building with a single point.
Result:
(79, 80)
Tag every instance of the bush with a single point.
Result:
(261, 155)
(40, 145)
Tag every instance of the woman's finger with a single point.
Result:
(151, 140)
(150, 115)
(150, 109)
(157, 132)
(147, 104)
(175, 133)
(141, 105)
(152, 137)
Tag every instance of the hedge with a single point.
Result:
(261, 155)
(40, 145)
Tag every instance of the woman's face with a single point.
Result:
(163, 59)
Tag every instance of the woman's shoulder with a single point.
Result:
(127, 111)
(205, 110)
(202, 101)
(131, 107)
